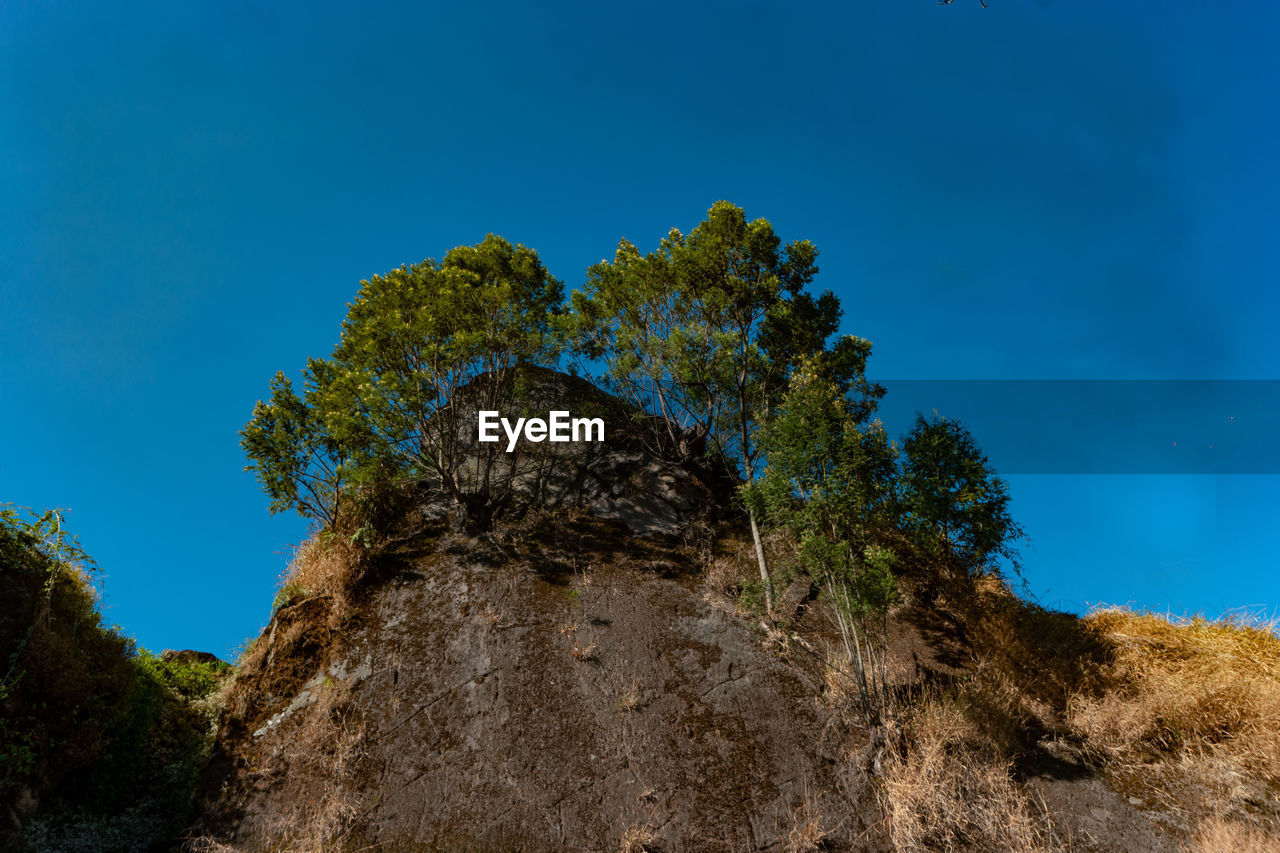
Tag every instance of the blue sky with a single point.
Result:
(191, 193)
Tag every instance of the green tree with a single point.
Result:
(298, 461)
(830, 480)
(706, 329)
(425, 347)
(956, 506)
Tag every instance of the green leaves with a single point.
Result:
(955, 505)
(706, 329)
(299, 461)
(415, 337)
(381, 408)
(715, 331)
(830, 479)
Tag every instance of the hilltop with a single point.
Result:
(579, 678)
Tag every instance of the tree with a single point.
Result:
(955, 505)
(422, 349)
(427, 346)
(298, 461)
(706, 329)
(830, 481)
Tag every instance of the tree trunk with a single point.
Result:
(764, 565)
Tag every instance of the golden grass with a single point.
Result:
(585, 652)
(807, 826)
(330, 752)
(636, 838)
(1185, 688)
(630, 696)
(953, 790)
(321, 567)
(1219, 835)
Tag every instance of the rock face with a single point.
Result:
(190, 656)
(558, 683)
(640, 474)
(562, 688)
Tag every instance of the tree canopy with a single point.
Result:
(955, 505)
(387, 403)
(716, 331)
(706, 329)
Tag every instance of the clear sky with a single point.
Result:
(190, 193)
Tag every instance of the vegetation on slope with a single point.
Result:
(1179, 716)
(101, 743)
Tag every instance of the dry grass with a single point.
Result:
(321, 567)
(953, 790)
(636, 838)
(1188, 719)
(807, 826)
(587, 653)
(1186, 688)
(1051, 656)
(326, 752)
(840, 691)
(724, 575)
(331, 749)
(1219, 835)
(328, 764)
(492, 616)
(727, 565)
(630, 697)
(207, 844)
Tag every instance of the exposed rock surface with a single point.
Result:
(554, 689)
(190, 656)
(640, 474)
(569, 682)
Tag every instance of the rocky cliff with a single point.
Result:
(589, 674)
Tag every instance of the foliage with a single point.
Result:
(830, 481)
(830, 472)
(298, 460)
(190, 680)
(955, 505)
(706, 330)
(55, 653)
(107, 738)
(390, 402)
(288, 594)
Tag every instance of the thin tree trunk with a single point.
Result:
(764, 566)
(748, 464)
